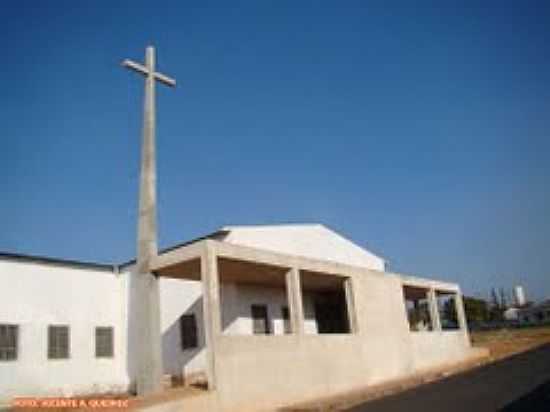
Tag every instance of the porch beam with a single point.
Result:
(178, 255)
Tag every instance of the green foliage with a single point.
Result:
(477, 310)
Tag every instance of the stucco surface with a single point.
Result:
(314, 241)
(37, 295)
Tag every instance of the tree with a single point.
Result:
(477, 310)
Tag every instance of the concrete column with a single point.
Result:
(350, 305)
(149, 345)
(434, 311)
(295, 302)
(460, 313)
(211, 309)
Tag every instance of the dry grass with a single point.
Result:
(506, 342)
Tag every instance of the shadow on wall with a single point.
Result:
(177, 360)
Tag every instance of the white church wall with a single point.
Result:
(308, 240)
(237, 300)
(179, 297)
(35, 295)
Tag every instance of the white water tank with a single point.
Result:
(519, 295)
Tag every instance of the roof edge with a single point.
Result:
(57, 261)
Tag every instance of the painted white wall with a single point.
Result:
(36, 295)
(313, 241)
(237, 300)
(179, 297)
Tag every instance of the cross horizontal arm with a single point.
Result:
(165, 79)
(135, 66)
(143, 70)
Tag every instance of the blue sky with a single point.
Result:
(419, 130)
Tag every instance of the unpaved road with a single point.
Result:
(518, 383)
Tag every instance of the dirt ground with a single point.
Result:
(505, 342)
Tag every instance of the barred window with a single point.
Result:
(8, 342)
(104, 342)
(188, 329)
(58, 342)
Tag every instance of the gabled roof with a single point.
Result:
(307, 240)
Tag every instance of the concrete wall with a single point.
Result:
(180, 297)
(37, 295)
(250, 368)
(265, 371)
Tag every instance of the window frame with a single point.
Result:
(56, 355)
(15, 349)
(189, 341)
(111, 343)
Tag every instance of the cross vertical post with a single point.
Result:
(144, 284)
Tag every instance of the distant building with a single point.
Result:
(511, 314)
(536, 314)
(519, 296)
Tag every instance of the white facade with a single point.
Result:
(35, 295)
(39, 292)
(306, 240)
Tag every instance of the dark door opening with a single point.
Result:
(331, 312)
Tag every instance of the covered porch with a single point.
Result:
(363, 337)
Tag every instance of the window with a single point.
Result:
(417, 306)
(286, 319)
(58, 342)
(446, 305)
(188, 329)
(260, 320)
(104, 342)
(8, 342)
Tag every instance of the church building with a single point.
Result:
(257, 312)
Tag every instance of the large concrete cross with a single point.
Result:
(147, 225)
(144, 314)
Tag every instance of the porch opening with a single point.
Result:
(324, 299)
(446, 305)
(253, 298)
(417, 306)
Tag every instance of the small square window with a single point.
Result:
(8, 342)
(58, 342)
(188, 329)
(104, 342)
